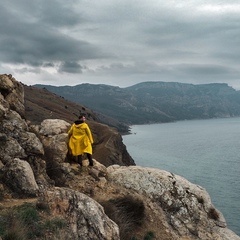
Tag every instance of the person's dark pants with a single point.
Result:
(89, 156)
(79, 157)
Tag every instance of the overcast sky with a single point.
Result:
(120, 42)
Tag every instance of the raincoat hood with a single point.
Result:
(77, 122)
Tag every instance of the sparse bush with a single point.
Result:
(27, 213)
(128, 212)
(55, 224)
(149, 236)
(42, 206)
(11, 227)
(213, 214)
(200, 199)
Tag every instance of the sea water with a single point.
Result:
(205, 152)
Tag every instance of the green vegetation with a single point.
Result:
(25, 222)
(149, 236)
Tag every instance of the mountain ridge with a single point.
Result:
(155, 102)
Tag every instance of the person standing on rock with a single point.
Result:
(81, 140)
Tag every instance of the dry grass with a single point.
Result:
(128, 212)
(24, 222)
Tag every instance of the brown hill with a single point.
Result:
(41, 104)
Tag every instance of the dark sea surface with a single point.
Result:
(205, 152)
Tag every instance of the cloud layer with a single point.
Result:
(120, 42)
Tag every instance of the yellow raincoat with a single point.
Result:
(80, 138)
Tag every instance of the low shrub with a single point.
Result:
(11, 227)
(149, 236)
(55, 224)
(213, 214)
(128, 212)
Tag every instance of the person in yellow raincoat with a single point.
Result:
(80, 140)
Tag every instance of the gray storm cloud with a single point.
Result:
(120, 42)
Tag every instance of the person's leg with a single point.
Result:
(89, 156)
(80, 160)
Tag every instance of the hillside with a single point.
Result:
(152, 102)
(44, 196)
(42, 104)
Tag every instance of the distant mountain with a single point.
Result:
(151, 102)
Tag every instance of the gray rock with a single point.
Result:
(13, 93)
(18, 175)
(53, 127)
(85, 217)
(188, 206)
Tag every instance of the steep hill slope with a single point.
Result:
(41, 104)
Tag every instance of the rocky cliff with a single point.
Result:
(45, 197)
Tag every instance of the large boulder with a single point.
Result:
(51, 127)
(187, 206)
(85, 217)
(54, 137)
(13, 93)
(10, 148)
(19, 142)
(18, 175)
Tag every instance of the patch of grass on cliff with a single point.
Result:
(128, 212)
(25, 222)
(148, 236)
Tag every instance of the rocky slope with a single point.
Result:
(155, 101)
(104, 203)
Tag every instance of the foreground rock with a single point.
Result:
(85, 217)
(187, 206)
(19, 176)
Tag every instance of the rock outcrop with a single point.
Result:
(104, 202)
(187, 206)
(18, 175)
(85, 216)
